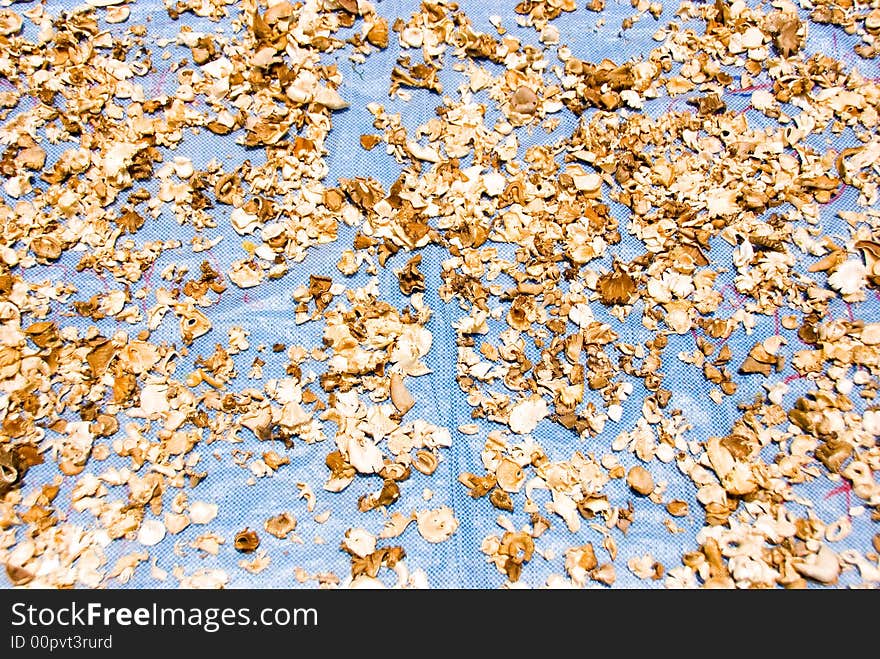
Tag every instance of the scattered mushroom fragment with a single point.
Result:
(281, 525)
(10, 22)
(605, 574)
(501, 500)
(525, 415)
(640, 480)
(246, 541)
(401, 398)
(677, 508)
(151, 533)
(516, 548)
(510, 476)
(201, 512)
(524, 100)
(359, 542)
(822, 566)
(118, 14)
(425, 462)
(14, 463)
(436, 525)
(579, 563)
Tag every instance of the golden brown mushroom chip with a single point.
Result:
(640, 480)
(246, 541)
(281, 525)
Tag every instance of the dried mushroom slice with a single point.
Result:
(15, 460)
(640, 480)
(509, 476)
(436, 525)
(246, 541)
(616, 287)
(280, 525)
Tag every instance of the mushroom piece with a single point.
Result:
(341, 473)
(389, 493)
(524, 100)
(436, 525)
(209, 543)
(139, 356)
(640, 480)
(518, 547)
(564, 506)
(14, 463)
(870, 249)
(736, 476)
(193, 323)
(259, 421)
(510, 476)
(280, 525)
(245, 274)
(526, 414)
(870, 334)
(117, 14)
(677, 508)
(605, 574)
(10, 362)
(678, 317)
(359, 542)
(77, 447)
(17, 575)
(579, 561)
(823, 566)
(8, 474)
(151, 533)
(330, 98)
(870, 572)
(201, 512)
(616, 287)
(246, 541)
(479, 486)
(400, 397)
(395, 525)
(244, 222)
(848, 278)
(364, 455)
(501, 500)
(425, 462)
(10, 22)
(175, 523)
(377, 35)
(366, 582)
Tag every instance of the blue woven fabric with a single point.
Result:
(266, 312)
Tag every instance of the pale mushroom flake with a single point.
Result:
(395, 525)
(436, 525)
(362, 452)
(201, 512)
(510, 476)
(400, 396)
(151, 532)
(526, 414)
(579, 562)
(359, 542)
(257, 564)
(204, 579)
(848, 278)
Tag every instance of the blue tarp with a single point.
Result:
(267, 313)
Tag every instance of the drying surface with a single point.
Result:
(802, 200)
